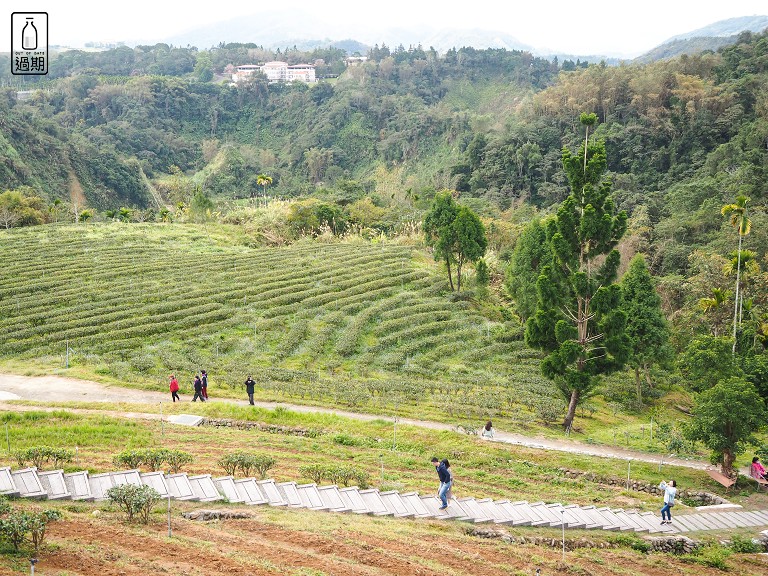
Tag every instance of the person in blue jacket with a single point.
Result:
(445, 481)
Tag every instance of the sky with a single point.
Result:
(596, 27)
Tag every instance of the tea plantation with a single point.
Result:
(361, 324)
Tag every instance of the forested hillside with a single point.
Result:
(158, 133)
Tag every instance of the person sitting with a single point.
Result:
(757, 470)
(488, 430)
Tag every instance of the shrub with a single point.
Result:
(314, 472)
(155, 458)
(130, 459)
(176, 459)
(37, 523)
(39, 456)
(230, 463)
(134, 500)
(742, 545)
(263, 464)
(14, 528)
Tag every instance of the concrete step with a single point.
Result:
(290, 494)
(126, 477)
(416, 505)
(271, 493)
(53, 483)
(100, 483)
(573, 518)
(204, 488)
(7, 487)
(331, 498)
(78, 485)
(28, 484)
(374, 503)
(631, 520)
(591, 518)
(612, 520)
(474, 511)
(310, 497)
(432, 505)
(495, 512)
(395, 504)
(353, 500)
(157, 481)
(512, 509)
(179, 486)
(548, 513)
(249, 492)
(226, 487)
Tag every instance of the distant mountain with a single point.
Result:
(281, 29)
(712, 37)
(725, 28)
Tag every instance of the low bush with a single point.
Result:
(39, 456)
(19, 527)
(135, 501)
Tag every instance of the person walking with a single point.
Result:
(174, 387)
(670, 491)
(204, 380)
(249, 387)
(447, 482)
(444, 477)
(198, 384)
(488, 430)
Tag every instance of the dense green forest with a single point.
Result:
(160, 133)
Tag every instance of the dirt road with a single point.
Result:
(60, 388)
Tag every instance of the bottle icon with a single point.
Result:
(29, 35)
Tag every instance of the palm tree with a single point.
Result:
(712, 305)
(739, 220)
(264, 180)
(746, 265)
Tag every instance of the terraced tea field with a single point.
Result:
(365, 325)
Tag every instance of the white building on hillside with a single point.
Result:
(277, 72)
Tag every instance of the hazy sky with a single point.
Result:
(596, 27)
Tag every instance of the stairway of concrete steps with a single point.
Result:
(55, 484)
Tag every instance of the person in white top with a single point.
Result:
(488, 430)
(670, 491)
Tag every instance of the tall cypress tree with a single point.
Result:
(646, 326)
(579, 320)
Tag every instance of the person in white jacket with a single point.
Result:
(670, 491)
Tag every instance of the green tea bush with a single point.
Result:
(39, 456)
(18, 527)
(314, 472)
(744, 545)
(135, 501)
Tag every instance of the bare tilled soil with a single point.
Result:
(103, 546)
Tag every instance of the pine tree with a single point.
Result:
(647, 328)
(579, 320)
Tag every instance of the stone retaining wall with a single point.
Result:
(271, 428)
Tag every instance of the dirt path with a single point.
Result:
(62, 389)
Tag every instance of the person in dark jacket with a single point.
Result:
(445, 481)
(249, 386)
(198, 384)
(204, 379)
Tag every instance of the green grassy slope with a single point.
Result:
(366, 325)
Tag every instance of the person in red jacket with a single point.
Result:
(174, 386)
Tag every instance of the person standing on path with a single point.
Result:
(249, 387)
(204, 380)
(670, 491)
(174, 387)
(198, 384)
